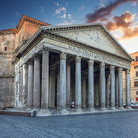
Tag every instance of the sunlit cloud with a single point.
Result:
(104, 13)
(125, 24)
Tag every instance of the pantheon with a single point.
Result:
(57, 66)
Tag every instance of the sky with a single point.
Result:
(120, 17)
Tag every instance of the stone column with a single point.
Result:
(128, 94)
(102, 85)
(90, 85)
(107, 91)
(36, 98)
(120, 87)
(84, 90)
(45, 79)
(63, 83)
(78, 84)
(112, 86)
(116, 90)
(52, 87)
(25, 83)
(68, 85)
(30, 85)
(58, 88)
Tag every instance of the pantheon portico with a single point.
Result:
(76, 63)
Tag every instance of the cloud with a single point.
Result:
(66, 22)
(81, 8)
(134, 3)
(59, 10)
(69, 16)
(102, 3)
(64, 16)
(42, 9)
(124, 22)
(103, 13)
(17, 14)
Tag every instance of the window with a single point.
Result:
(5, 48)
(136, 92)
(136, 58)
(136, 73)
(136, 67)
(136, 84)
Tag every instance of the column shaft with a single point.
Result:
(45, 79)
(68, 85)
(63, 82)
(120, 87)
(30, 85)
(36, 98)
(78, 84)
(128, 94)
(58, 89)
(107, 91)
(102, 86)
(84, 91)
(112, 86)
(116, 91)
(90, 85)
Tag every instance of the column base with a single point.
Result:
(121, 108)
(29, 109)
(44, 111)
(129, 107)
(103, 108)
(78, 110)
(36, 109)
(112, 108)
(64, 112)
(92, 110)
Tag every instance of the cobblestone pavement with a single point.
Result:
(112, 125)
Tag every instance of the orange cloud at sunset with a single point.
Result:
(124, 23)
(103, 13)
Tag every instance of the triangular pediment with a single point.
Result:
(95, 36)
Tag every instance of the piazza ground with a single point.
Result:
(119, 124)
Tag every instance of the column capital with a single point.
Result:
(30, 62)
(127, 71)
(63, 56)
(120, 70)
(112, 67)
(102, 65)
(90, 62)
(36, 57)
(77, 59)
(26, 66)
(45, 51)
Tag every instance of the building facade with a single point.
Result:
(10, 41)
(134, 78)
(77, 63)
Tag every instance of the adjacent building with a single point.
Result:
(134, 78)
(62, 64)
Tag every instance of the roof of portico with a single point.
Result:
(51, 32)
